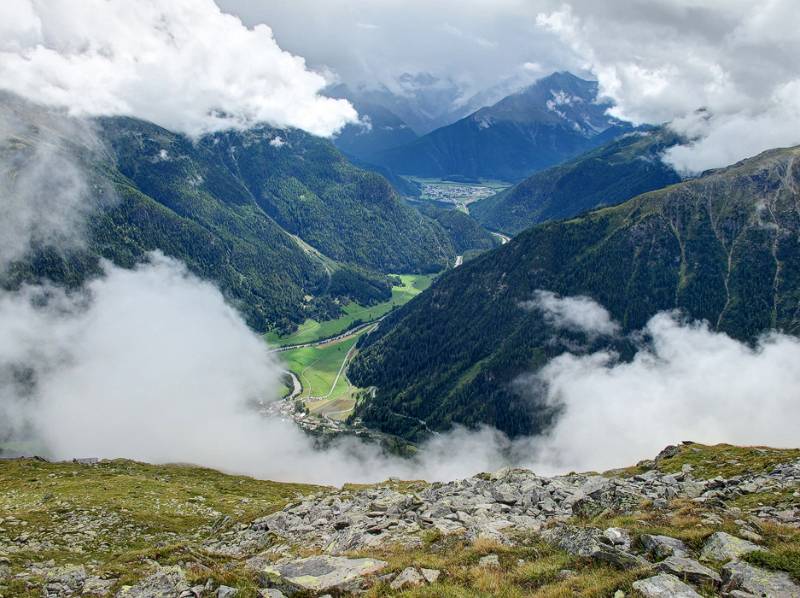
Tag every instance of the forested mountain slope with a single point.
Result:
(608, 175)
(267, 214)
(724, 247)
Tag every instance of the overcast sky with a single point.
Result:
(474, 42)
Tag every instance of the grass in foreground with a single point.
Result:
(122, 513)
(312, 330)
(724, 460)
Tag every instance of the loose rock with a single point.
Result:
(322, 573)
(721, 546)
(689, 570)
(663, 546)
(664, 586)
(742, 576)
(431, 575)
(408, 578)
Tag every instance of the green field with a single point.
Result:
(316, 367)
(312, 330)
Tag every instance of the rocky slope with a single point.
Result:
(696, 521)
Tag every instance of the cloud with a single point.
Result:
(183, 64)
(475, 44)
(579, 313)
(663, 60)
(152, 364)
(686, 382)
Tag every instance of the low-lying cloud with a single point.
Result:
(152, 364)
(685, 382)
(578, 313)
(45, 195)
(183, 64)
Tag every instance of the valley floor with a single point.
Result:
(696, 521)
(318, 353)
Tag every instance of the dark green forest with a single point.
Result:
(278, 219)
(622, 169)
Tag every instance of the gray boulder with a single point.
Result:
(724, 547)
(226, 592)
(590, 542)
(431, 575)
(664, 586)
(322, 573)
(618, 536)
(689, 570)
(743, 577)
(165, 582)
(408, 578)
(663, 546)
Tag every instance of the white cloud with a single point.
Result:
(152, 364)
(575, 313)
(662, 60)
(277, 141)
(687, 383)
(183, 64)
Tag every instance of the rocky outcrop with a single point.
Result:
(319, 574)
(721, 546)
(664, 586)
(496, 507)
(743, 577)
(309, 547)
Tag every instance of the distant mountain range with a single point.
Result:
(556, 118)
(422, 101)
(274, 217)
(608, 175)
(722, 247)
